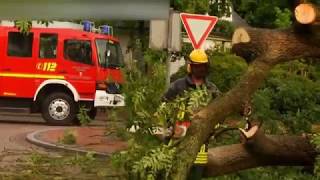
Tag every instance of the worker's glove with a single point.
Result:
(179, 131)
(165, 132)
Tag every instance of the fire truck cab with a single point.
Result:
(55, 70)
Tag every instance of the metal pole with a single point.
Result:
(168, 69)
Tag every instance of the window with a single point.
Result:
(109, 53)
(78, 51)
(48, 46)
(20, 45)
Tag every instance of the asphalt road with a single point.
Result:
(15, 127)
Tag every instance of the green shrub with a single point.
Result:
(68, 138)
(83, 116)
(291, 96)
(287, 102)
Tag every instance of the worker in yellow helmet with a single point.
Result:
(198, 69)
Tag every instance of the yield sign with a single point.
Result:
(198, 27)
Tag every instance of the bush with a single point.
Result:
(68, 138)
(143, 90)
(290, 95)
(289, 100)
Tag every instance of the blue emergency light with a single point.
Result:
(105, 29)
(87, 25)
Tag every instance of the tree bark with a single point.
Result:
(261, 150)
(270, 47)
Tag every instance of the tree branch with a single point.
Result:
(271, 47)
(260, 150)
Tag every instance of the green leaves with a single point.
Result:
(143, 90)
(283, 18)
(183, 107)
(23, 26)
(315, 140)
(224, 28)
(83, 116)
(265, 13)
(191, 6)
(157, 161)
(220, 8)
(289, 97)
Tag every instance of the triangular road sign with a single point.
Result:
(198, 27)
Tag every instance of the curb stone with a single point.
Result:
(32, 138)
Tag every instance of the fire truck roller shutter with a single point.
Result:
(75, 93)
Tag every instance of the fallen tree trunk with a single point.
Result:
(261, 150)
(267, 48)
(276, 46)
(307, 13)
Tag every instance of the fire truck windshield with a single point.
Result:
(109, 53)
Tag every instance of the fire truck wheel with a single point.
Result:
(59, 109)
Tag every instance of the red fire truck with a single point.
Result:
(56, 69)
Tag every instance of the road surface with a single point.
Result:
(15, 127)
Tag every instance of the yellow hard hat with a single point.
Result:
(198, 56)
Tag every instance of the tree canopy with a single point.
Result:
(258, 13)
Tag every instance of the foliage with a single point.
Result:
(182, 107)
(315, 1)
(147, 156)
(68, 138)
(288, 102)
(143, 93)
(48, 166)
(265, 13)
(283, 18)
(154, 57)
(153, 159)
(83, 161)
(130, 159)
(289, 98)
(218, 8)
(224, 28)
(191, 6)
(83, 116)
(24, 26)
(268, 173)
(315, 140)
(259, 13)
(157, 160)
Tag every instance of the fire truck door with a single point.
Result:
(18, 65)
(79, 66)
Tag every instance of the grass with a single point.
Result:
(68, 138)
(69, 166)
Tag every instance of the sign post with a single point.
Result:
(198, 27)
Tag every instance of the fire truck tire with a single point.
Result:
(59, 109)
